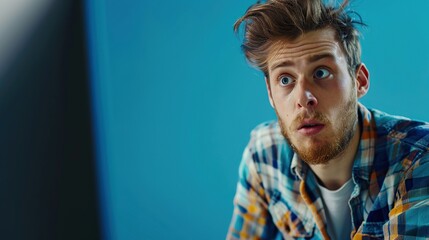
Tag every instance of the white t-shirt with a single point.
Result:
(337, 209)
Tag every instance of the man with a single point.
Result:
(329, 168)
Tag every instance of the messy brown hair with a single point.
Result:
(266, 22)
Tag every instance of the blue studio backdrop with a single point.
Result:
(173, 102)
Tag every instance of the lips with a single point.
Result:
(310, 127)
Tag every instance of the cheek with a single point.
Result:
(281, 96)
(281, 101)
(338, 93)
(283, 108)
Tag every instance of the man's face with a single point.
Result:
(313, 94)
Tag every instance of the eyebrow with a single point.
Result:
(311, 59)
(317, 57)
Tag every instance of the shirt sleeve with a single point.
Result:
(409, 218)
(251, 218)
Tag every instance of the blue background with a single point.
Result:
(174, 101)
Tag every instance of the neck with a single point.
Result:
(338, 170)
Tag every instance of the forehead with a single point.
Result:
(306, 46)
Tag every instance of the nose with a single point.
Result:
(305, 97)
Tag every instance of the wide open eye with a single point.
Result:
(321, 73)
(285, 80)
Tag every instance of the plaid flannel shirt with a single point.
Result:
(277, 195)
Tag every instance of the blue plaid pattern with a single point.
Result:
(277, 195)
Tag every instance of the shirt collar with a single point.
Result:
(298, 167)
(364, 157)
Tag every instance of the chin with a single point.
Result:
(317, 154)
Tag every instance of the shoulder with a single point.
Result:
(402, 130)
(402, 144)
(266, 131)
(268, 149)
(266, 135)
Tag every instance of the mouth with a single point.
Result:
(310, 128)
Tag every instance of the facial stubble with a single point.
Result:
(324, 151)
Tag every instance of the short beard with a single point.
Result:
(323, 153)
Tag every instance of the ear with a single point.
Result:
(362, 80)
(270, 97)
